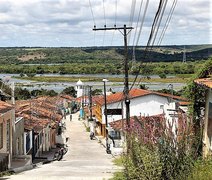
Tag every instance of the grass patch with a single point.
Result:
(119, 161)
(119, 175)
(6, 173)
(184, 75)
(202, 170)
(96, 79)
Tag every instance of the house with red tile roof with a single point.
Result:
(7, 119)
(142, 125)
(206, 83)
(41, 117)
(142, 103)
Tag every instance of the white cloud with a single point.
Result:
(70, 22)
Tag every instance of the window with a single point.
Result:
(1, 135)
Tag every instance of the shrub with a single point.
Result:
(158, 150)
(202, 170)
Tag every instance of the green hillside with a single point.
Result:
(25, 55)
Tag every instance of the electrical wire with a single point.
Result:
(151, 36)
(105, 22)
(142, 21)
(104, 12)
(136, 29)
(160, 19)
(92, 12)
(132, 13)
(114, 22)
(168, 19)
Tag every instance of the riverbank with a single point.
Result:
(51, 79)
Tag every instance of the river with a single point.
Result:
(59, 86)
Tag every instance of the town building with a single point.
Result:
(7, 120)
(142, 103)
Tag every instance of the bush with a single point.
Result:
(156, 151)
(162, 76)
(202, 170)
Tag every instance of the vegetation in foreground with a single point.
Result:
(158, 154)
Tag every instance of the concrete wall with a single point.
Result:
(46, 139)
(18, 137)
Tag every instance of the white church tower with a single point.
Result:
(79, 88)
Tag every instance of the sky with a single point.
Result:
(69, 23)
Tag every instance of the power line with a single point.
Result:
(142, 21)
(92, 12)
(131, 16)
(114, 22)
(168, 19)
(151, 36)
(115, 13)
(139, 16)
(160, 18)
(104, 11)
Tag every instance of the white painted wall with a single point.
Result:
(145, 105)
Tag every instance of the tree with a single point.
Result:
(162, 76)
(96, 92)
(196, 95)
(70, 91)
(143, 86)
(22, 93)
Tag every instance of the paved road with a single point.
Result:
(85, 160)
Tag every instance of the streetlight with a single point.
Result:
(105, 112)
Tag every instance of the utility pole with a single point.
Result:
(90, 103)
(126, 67)
(184, 55)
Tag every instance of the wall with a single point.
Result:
(145, 105)
(4, 118)
(46, 138)
(18, 138)
(207, 133)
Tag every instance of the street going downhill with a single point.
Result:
(85, 159)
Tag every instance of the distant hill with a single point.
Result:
(49, 55)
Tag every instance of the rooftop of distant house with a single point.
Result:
(4, 107)
(134, 93)
(207, 82)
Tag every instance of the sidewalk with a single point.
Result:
(85, 160)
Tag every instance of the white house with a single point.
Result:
(142, 103)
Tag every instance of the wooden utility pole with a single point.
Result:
(90, 103)
(126, 66)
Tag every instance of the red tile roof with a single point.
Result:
(205, 82)
(67, 97)
(39, 112)
(4, 107)
(134, 93)
(184, 103)
(121, 124)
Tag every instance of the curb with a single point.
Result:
(29, 167)
(22, 168)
